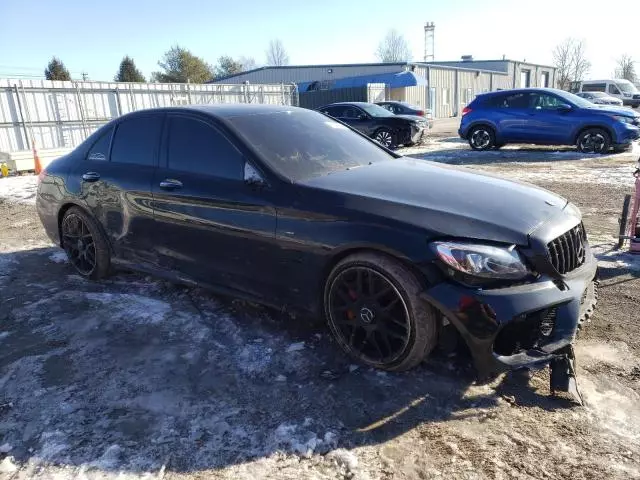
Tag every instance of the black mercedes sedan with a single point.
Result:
(290, 208)
(379, 123)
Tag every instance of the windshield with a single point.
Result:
(375, 110)
(626, 86)
(574, 99)
(301, 144)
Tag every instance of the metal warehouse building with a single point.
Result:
(445, 87)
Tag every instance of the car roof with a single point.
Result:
(349, 103)
(224, 110)
(512, 91)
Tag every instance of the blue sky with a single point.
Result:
(93, 36)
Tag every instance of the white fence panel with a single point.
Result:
(62, 114)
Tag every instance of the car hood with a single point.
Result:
(613, 110)
(413, 118)
(447, 201)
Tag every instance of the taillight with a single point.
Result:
(420, 113)
(466, 110)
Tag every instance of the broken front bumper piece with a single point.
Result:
(523, 326)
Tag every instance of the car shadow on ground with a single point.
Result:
(133, 373)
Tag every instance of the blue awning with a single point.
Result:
(391, 80)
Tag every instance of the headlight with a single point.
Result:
(623, 119)
(481, 262)
(627, 94)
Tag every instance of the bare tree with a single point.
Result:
(276, 54)
(625, 68)
(571, 62)
(248, 63)
(393, 48)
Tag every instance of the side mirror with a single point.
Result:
(252, 177)
(565, 108)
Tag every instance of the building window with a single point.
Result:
(544, 80)
(525, 78)
(445, 96)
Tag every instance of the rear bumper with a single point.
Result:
(499, 325)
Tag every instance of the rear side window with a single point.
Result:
(99, 152)
(136, 140)
(594, 87)
(197, 147)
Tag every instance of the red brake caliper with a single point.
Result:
(353, 296)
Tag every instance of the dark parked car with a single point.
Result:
(546, 116)
(404, 108)
(378, 123)
(600, 98)
(290, 208)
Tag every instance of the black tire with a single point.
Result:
(593, 140)
(624, 220)
(482, 138)
(384, 137)
(91, 256)
(417, 322)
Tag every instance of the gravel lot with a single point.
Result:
(136, 378)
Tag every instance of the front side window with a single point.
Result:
(614, 90)
(197, 147)
(541, 101)
(302, 144)
(99, 151)
(136, 140)
(376, 111)
(351, 113)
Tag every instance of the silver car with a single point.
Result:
(600, 98)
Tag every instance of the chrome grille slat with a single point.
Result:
(566, 253)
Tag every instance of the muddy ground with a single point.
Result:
(134, 377)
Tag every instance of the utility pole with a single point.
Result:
(85, 76)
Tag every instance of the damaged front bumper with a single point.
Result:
(523, 326)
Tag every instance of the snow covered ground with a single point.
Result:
(20, 189)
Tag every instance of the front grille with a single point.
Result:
(568, 251)
(636, 97)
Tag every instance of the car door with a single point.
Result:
(115, 183)
(211, 225)
(509, 113)
(549, 122)
(358, 119)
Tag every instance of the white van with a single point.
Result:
(619, 88)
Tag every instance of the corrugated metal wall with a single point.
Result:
(311, 73)
(62, 114)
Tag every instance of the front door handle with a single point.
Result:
(170, 184)
(91, 177)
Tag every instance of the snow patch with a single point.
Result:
(4, 335)
(20, 189)
(617, 259)
(8, 466)
(344, 458)
(59, 256)
(295, 347)
(130, 307)
(254, 358)
(292, 438)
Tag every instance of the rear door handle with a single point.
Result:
(91, 177)
(170, 184)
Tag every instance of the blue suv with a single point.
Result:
(546, 116)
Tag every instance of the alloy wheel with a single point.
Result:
(480, 138)
(79, 244)
(592, 142)
(368, 315)
(384, 138)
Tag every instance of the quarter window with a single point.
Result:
(100, 150)
(197, 147)
(136, 140)
(594, 87)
